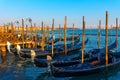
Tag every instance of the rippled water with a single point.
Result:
(15, 69)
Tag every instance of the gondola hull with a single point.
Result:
(57, 53)
(40, 63)
(58, 71)
(49, 47)
(62, 39)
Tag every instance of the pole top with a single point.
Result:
(83, 17)
(53, 19)
(22, 18)
(106, 12)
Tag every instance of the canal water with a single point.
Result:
(16, 69)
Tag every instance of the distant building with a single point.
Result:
(115, 27)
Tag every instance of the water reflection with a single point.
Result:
(103, 75)
(3, 63)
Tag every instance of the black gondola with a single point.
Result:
(62, 39)
(58, 46)
(93, 52)
(57, 52)
(100, 51)
(83, 69)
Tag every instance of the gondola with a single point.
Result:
(61, 46)
(70, 38)
(62, 39)
(57, 52)
(44, 62)
(100, 51)
(82, 69)
(49, 47)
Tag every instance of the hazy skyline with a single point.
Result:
(46, 10)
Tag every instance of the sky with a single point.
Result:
(46, 10)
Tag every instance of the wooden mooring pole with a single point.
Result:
(48, 33)
(3, 57)
(106, 39)
(111, 34)
(53, 37)
(35, 35)
(3, 51)
(91, 30)
(99, 33)
(43, 38)
(23, 32)
(59, 32)
(117, 34)
(12, 27)
(73, 34)
(65, 41)
(26, 35)
(83, 36)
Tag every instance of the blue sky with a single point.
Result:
(46, 10)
